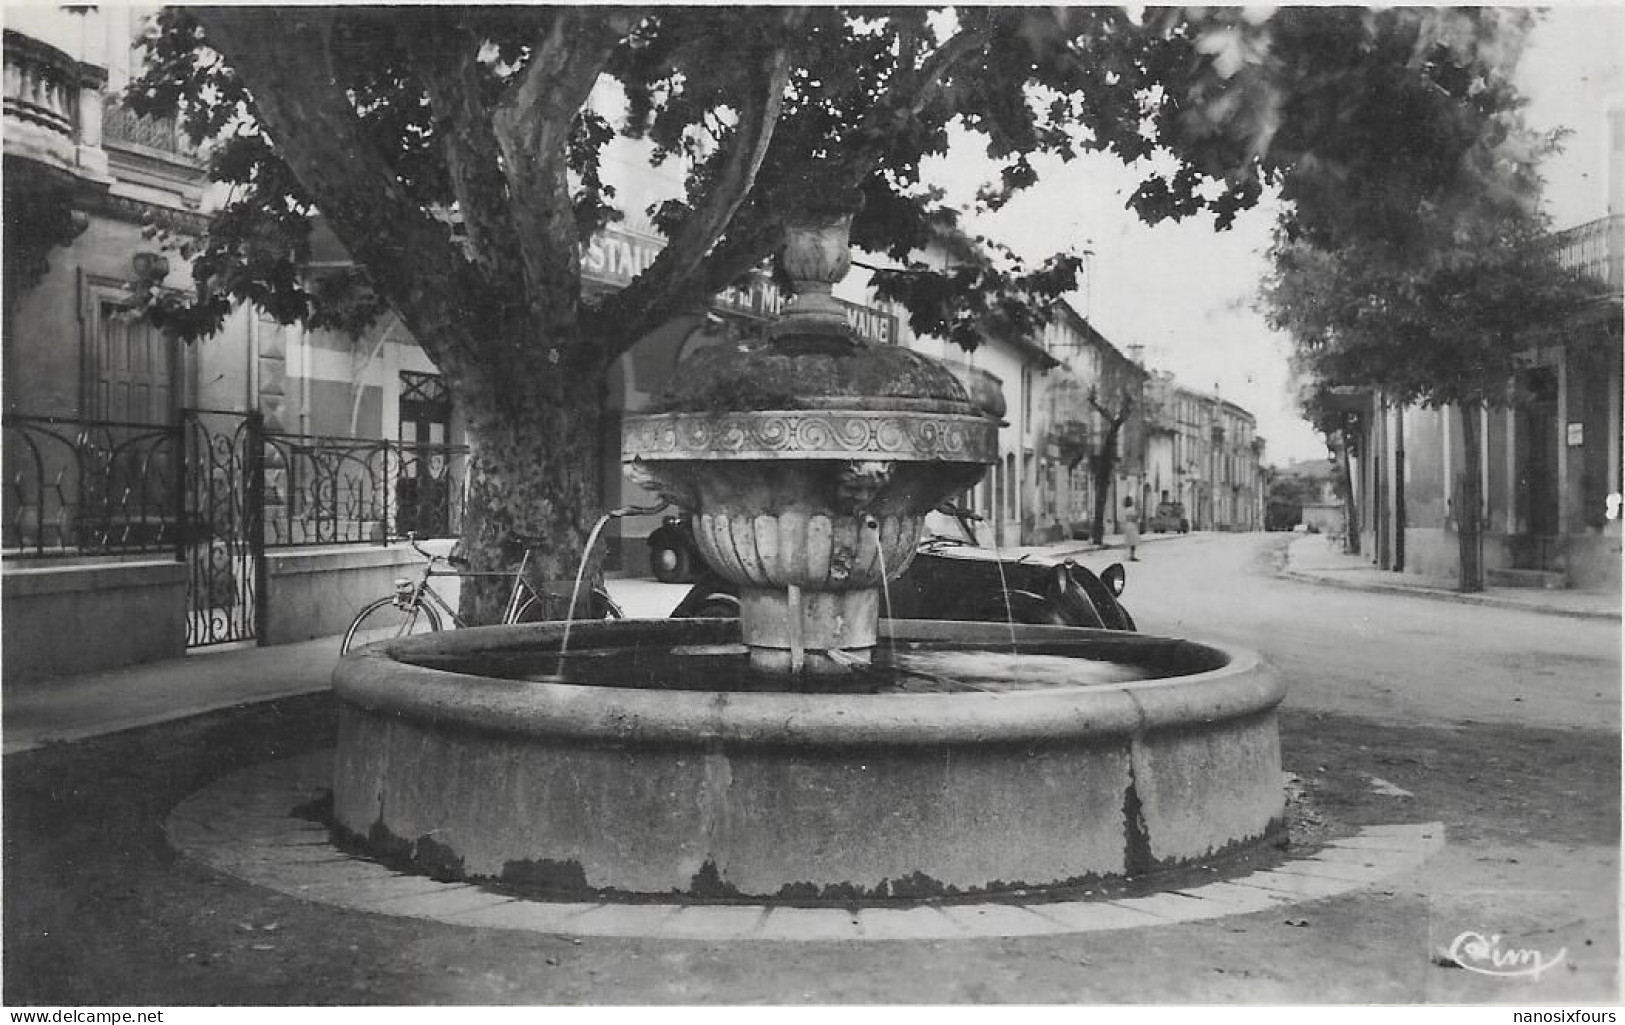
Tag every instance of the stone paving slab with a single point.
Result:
(1299, 886)
(628, 920)
(1093, 916)
(1168, 907)
(443, 900)
(821, 924)
(1233, 899)
(243, 825)
(1348, 873)
(709, 923)
(919, 923)
(994, 919)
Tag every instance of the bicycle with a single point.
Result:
(416, 607)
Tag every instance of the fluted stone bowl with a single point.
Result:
(807, 463)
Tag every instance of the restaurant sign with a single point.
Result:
(615, 256)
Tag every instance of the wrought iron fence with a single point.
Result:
(92, 487)
(322, 491)
(214, 490)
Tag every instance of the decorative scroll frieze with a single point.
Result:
(810, 434)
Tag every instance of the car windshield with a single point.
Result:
(941, 526)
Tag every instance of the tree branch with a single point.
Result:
(282, 57)
(463, 125)
(919, 89)
(532, 123)
(674, 275)
(1115, 419)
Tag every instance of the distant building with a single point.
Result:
(1304, 493)
(1205, 455)
(1092, 367)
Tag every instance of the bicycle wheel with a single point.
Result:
(384, 619)
(604, 607)
(601, 606)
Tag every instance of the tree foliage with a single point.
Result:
(1427, 277)
(456, 154)
(425, 100)
(1419, 269)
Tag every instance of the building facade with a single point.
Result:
(1551, 467)
(1096, 379)
(1204, 454)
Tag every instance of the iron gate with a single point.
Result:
(214, 490)
(224, 536)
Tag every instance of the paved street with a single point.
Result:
(1379, 656)
(1500, 725)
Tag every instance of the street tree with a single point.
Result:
(1329, 413)
(455, 153)
(1436, 313)
(1113, 413)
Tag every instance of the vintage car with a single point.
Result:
(1169, 516)
(954, 577)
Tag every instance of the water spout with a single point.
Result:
(586, 555)
(885, 578)
(798, 643)
(1004, 590)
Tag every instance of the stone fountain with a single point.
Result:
(810, 751)
(808, 461)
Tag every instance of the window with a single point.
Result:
(423, 487)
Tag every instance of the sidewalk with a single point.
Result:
(75, 707)
(1318, 559)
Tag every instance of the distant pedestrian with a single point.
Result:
(1131, 528)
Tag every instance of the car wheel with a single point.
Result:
(670, 565)
(718, 608)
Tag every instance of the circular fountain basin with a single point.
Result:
(663, 767)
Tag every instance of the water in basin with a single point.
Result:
(911, 668)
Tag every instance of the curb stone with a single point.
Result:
(1435, 594)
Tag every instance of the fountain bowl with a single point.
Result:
(466, 771)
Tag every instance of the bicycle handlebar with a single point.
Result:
(412, 539)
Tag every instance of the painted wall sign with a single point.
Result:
(615, 256)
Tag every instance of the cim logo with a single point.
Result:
(1487, 956)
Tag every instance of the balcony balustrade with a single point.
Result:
(52, 105)
(41, 84)
(1596, 249)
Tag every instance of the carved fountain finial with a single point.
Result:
(817, 254)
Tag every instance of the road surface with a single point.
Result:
(1377, 655)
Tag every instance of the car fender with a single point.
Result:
(1025, 607)
(702, 595)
